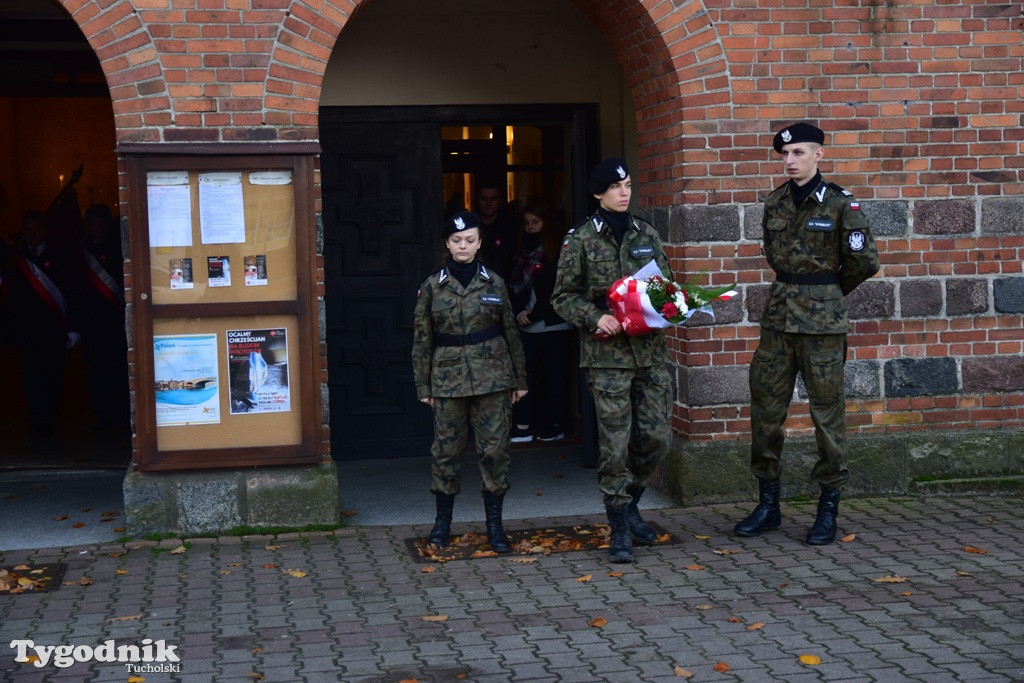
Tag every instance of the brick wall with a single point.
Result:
(922, 102)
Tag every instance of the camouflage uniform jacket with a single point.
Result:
(828, 233)
(591, 261)
(444, 306)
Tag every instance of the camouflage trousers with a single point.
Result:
(491, 418)
(820, 359)
(634, 411)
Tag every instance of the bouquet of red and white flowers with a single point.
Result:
(646, 301)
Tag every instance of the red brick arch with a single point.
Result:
(212, 75)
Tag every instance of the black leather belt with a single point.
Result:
(467, 339)
(828, 278)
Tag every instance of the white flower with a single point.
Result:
(679, 299)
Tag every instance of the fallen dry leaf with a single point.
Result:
(891, 579)
(585, 578)
(85, 581)
(294, 573)
(484, 553)
(682, 673)
(540, 493)
(274, 547)
(704, 607)
(972, 549)
(905, 593)
(136, 679)
(664, 538)
(78, 525)
(115, 554)
(615, 574)
(695, 567)
(435, 617)
(597, 622)
(756, 626)
(735, 620)
(961, 572)
(122, 572)
(783, 585)
(132, 617)
(224, 572)
(268, 566)
(725, 552)
(523, 560)
(60, 518)
(179, 550)
(721, 667)
(256, 676)
(700, 537)
(810, 660)
(848, 537)
(429, 569)
(234, 564)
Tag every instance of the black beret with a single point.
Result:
(798, 132)
(463, 220)
(609, 171)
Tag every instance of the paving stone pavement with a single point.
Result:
(356, 615)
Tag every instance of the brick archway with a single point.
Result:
(220, 75)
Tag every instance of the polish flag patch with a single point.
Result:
(855, 206)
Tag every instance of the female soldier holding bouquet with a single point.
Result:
(468, 365)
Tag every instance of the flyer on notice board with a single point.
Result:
(255, 270)
(181, 273)
(258, 371)
(185, 371)
(219, 270)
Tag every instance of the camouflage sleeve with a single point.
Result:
(858, 254)
(569, 297)
(514, 340)
(422, 341)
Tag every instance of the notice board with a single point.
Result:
(225, 311)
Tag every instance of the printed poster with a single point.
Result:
(258, 371)
(181, 273)
(255, 270)
(185, 370)
(219, 271)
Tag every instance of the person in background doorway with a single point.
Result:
(34, 290)
(547, 337)
(498, 230)
(100, 303)
(818, 242)
(469, 368)
(627, 375)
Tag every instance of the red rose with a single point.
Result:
(670, 288)
(669, 310)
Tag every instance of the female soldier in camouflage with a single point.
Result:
(468, 363)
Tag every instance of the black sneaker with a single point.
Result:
(521, 435)
(552, 433)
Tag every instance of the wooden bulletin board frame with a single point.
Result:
(279, 227)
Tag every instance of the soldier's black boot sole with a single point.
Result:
(823, 531)
(495, 532)
(442, 530)
(766, 516)
(620, 545)
(638, 528)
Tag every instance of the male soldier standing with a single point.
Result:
(498, 231)
(626, 375)
(818, 242)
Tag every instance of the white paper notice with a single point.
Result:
(170, 209)
(221, 210)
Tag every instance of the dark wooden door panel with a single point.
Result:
(382, 213)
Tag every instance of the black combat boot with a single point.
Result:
(766, 516)
(642, 534)
(443, 522)
(620, 547)
(823, 531)
(495, 533)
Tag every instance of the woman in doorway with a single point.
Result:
(469, 368)
(547, 338)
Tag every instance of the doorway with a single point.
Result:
(388, 174)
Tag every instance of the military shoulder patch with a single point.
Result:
(856, 240)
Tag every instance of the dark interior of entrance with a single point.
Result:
(390, 176)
